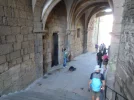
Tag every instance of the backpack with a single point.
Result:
(96, 82)
(72, 68)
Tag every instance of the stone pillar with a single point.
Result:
(115, 43)
(39, 53)
(70, 40)
(124, 77)
(118, 13)
(85, 41)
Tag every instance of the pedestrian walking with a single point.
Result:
(64, 57)
(104, 50)
(99, 58)
(101, 47)
(96, 83)
(96, 47)
(109, 50)
(105, 60)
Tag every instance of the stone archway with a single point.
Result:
(41, 9)
(56, 22)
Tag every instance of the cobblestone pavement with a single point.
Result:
(61, 84)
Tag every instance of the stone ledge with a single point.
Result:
(40, 31)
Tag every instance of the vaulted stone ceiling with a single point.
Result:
(75, 8)
(87, 7)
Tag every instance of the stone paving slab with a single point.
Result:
(62, 84)
(53, 95)
(71, 81)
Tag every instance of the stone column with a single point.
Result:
(39, 53)
(70, 40)
(118, 16)
(85, 41)
(115, 42)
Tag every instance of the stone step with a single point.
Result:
(47, 95)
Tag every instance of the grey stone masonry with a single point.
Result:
(124, 76)
(5, 49)
(2, 59)
(16, 45)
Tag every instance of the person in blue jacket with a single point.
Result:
(64, 57)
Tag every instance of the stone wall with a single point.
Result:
(124, 80)
(92, 34)
(17, 66)
(78, 40)
(56, 23)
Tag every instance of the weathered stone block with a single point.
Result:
(25, 57)
(24, 30)
(7, 82)
(3, 2)
(36, 49)
(5, 30)
(22, 14)
(30, 16)
(3, 39)
(14, 70)
(30, 30)
(22, 52)
(15, 77)
(39, 36)
(12, 21)
(21, 22)
(10, 38)
(2, 59)
(30, 36)
(27, 78)
(40, 48)
(22, 2)
(15, 54)
(41, 43)
(7, 57)
(15, 30)
(1, 11)
(19, 38)
(31, 43)
(5, 49)
(19, 60)
(25, 44)
(25, 51)
(32, 55)
(28, 8)
(3, 67)
(25, 37)
(17, 46)
(11, 3)
(1, 20)
(1, 86)
(37, 42)
(4, 20)
(29, 23)
(17, 13)
(12, 63)
(31, 50)
(8, 11)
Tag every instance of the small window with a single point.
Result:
(78, 32)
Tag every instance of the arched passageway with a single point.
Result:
(56, 23)
(26, 38)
